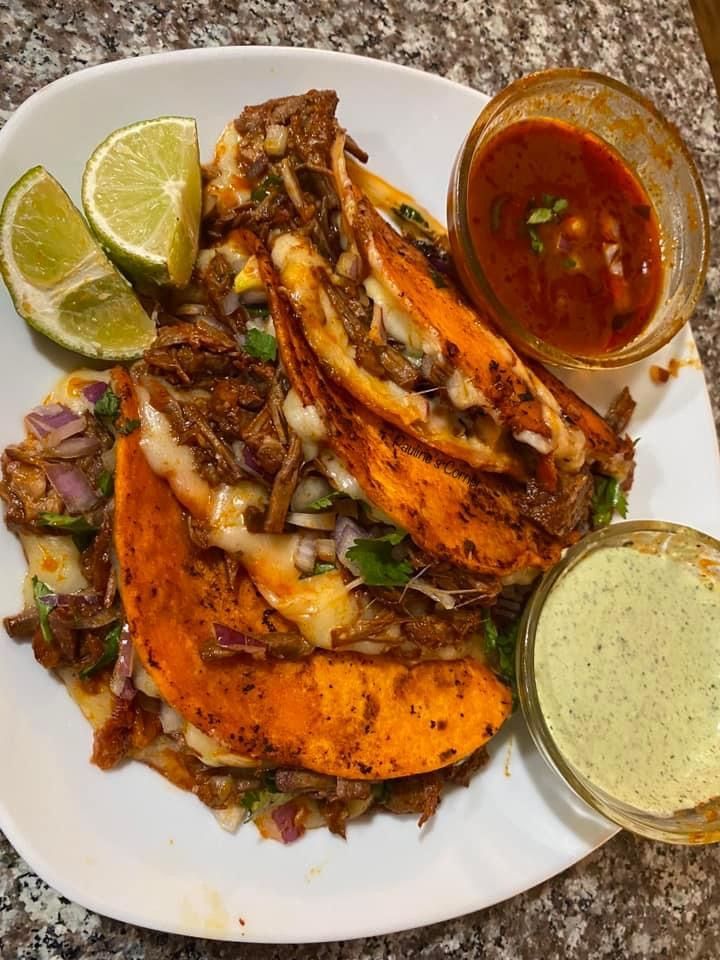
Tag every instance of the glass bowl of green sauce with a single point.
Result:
(618, 667)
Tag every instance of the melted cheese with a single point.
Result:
(317, 604)
(227, 187)
(340, 476)
(464, 394)
(211, 752)
(398, 323)
(68, 389)
(55, 561)
(305, 422)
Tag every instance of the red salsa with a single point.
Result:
(566, 235)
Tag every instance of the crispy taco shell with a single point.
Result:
(345, 715)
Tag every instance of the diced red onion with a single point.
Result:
(230, 302)
(247, 461)
(94, 391)
(121, 681)
(72, 485)
(312, 521)
(611, 253)
(53, 423)
(230, 639)
(254, 298)
(305, 554)
(285, 818)
(443, 597)
(564, 243)
(346, 533)
(75, 447)
(349, 265)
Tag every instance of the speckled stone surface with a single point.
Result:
(631, 899)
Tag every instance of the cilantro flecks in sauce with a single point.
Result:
(566, 235)
(627, 669)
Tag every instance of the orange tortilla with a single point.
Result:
(342, 714)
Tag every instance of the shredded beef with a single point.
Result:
(96, 559)
(620, 411)
(23, 624)
(560, 510)
(419, 794)
(283, 487)
(26, 489)
(129, 727)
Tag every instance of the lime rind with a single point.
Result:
(81, 302)
(142, 196)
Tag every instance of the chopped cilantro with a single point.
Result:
(551, 209)
(62, 521)
(323, 568)
(264, 188)
(410, 213)
(382, 791)
(127, 427)
(262, 346)
(438, 279)
(608, 498)
(40, 591)
(250, 799)
(376, 563)
(108, 405)
(540, 215)
(500, 643)
(569, 263)
(324, 503)
(258, 310)
(536, 243)
(109, 654)
(106, 483)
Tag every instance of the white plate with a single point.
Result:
(128, 844)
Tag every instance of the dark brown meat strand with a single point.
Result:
(564, 509)
(283, 487)
(96, 558)
(620, 411)
(129, 727)
(197, 354)
(355, 312)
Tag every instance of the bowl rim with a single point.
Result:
(668, 829)
(471, 269)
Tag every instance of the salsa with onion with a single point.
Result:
(566, 235)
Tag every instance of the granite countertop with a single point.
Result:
(630, 899)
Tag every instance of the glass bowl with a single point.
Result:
(650, 145)
(693, 826)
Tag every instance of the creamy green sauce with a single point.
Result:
(627, 667)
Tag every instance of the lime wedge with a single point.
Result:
(59, 278)
(142, 195)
